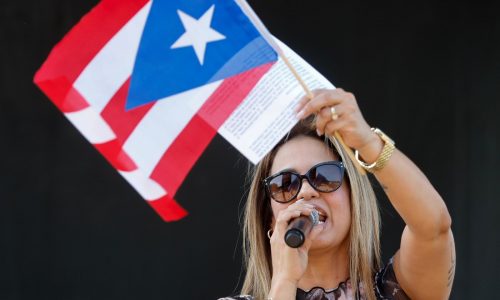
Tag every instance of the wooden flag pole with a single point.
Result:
(310, 96)
(269, 38)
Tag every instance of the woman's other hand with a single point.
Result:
(345, 117)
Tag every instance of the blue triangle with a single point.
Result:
(160, 71)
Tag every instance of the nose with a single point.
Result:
(307, 191)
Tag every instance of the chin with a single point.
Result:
(324, 243)
(329, 240)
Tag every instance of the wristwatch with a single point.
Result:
(384, 156)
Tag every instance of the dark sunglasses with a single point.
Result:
(324, 177)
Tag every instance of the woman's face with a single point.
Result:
(300, 154)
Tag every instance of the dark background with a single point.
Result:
(427, 73)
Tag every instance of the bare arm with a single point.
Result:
(425, 262)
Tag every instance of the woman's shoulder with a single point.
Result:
(386, 284)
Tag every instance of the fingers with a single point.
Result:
(321, 98)
(326, 117)
(316, 104)
(333, 126)
(346, 118)
(302, 103)
(306, 99)
(315, 232)
(284, 217)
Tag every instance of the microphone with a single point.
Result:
(299, 228)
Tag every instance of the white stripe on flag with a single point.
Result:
(112, 66)
(91, 125)
(147, 188)
(162, 124)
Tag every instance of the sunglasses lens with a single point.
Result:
(326, 178)
(284, 187)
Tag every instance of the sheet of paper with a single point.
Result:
(267, 113)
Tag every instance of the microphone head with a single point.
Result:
(314, 217)
(299, 228)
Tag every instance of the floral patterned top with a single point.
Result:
(386, 287)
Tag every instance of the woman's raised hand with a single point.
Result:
(337, 110)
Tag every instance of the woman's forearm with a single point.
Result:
(410, 192)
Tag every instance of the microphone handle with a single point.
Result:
(299, 229)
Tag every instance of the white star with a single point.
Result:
(198, 33)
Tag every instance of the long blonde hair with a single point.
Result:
(364, 246)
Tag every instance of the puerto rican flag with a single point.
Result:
(149, 83)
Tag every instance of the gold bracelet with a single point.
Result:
(384, 156)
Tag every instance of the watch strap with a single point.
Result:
(384, 156)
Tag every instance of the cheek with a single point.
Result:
(344, 213)
(340, 206)
(276, 208)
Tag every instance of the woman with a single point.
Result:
(340, 258)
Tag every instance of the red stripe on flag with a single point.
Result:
(180, 157)
(115, 155)
(121, 121)
(229, 95)
(75, 51)
(168, 209)
(182, 154)
(64, 95)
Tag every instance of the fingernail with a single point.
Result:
(300, 114)
(318, 132)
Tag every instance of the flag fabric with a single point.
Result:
(153, 116)
(212, 39)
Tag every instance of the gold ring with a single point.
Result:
(335, 116)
